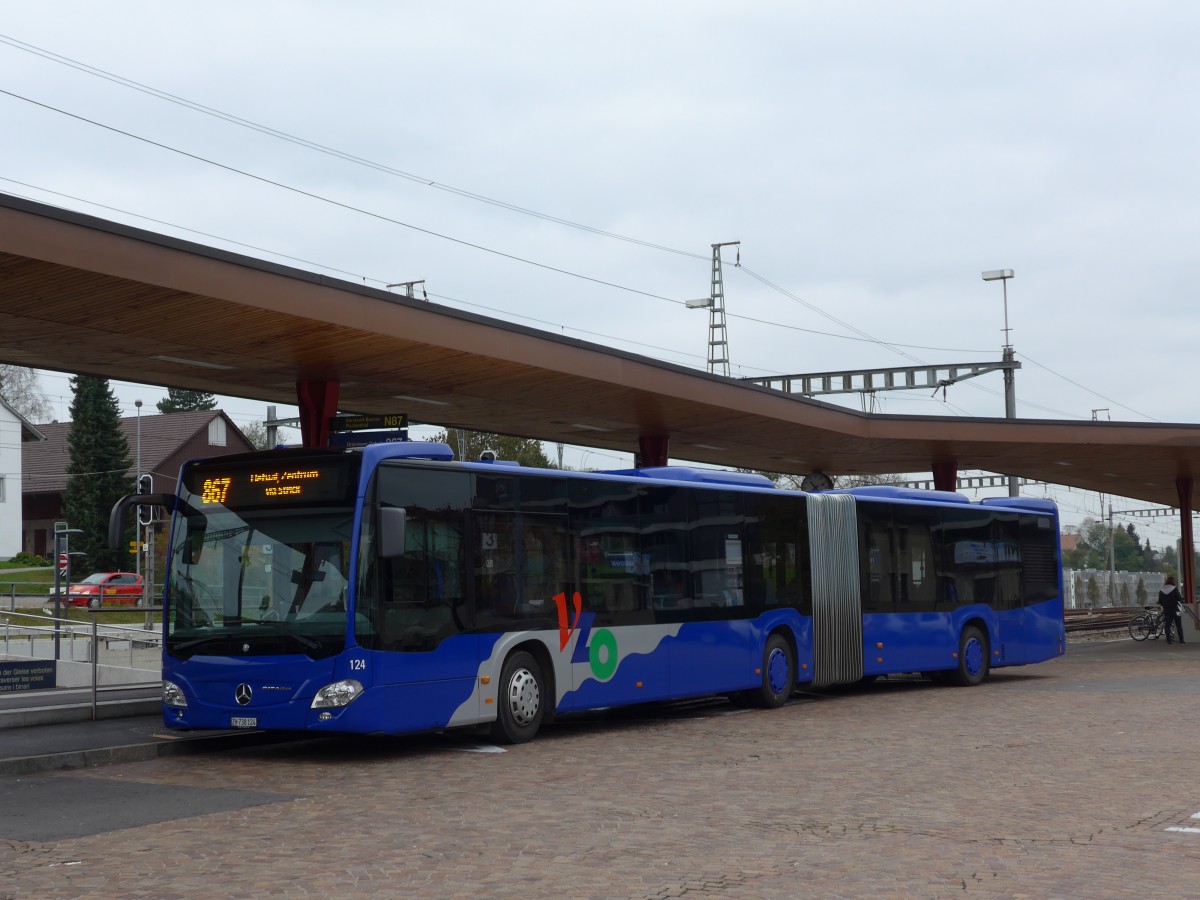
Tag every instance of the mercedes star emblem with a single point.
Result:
(242, 694)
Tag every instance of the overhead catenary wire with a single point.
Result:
(381, 167)
(861, 335)
(330, 151)
(337, 203)
(359, 160)
(383, 282)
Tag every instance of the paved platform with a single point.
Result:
(1068, 779)
(61, 705)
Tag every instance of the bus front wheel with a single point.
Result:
(521, 700)
(778, 673)
(972, 658)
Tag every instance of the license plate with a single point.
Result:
(243, 722)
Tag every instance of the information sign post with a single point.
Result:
(62, 574)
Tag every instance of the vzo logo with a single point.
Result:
(600, 652)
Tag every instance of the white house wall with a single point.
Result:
(10, 484)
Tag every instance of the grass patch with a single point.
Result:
(41, 577)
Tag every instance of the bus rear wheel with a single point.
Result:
(972, 658)
(778, 673)
(521, 700)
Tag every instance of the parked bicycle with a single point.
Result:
(1148, 624)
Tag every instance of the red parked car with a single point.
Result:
(106, 589)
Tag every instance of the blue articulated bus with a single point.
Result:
(391, 589)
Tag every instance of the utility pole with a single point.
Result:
(1111, 561)
(718, 335)
(274, 423)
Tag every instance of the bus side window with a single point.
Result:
(916, 571)
(878, 560)
(497, 590)
(543, 564)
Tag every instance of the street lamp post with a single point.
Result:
(137, 527)
(1010, 390)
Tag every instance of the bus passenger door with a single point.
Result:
(714, 651)
(1010, 610)
(620, 653)
(414, 606)
(620, 656)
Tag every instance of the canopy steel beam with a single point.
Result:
(860, 381)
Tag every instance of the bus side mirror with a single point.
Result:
(392, 523)
(116, 518)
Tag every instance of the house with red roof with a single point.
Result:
(159, 445)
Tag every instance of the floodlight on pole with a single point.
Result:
(1002, 275)
(1010, 392)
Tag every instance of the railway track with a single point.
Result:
(1106, 619)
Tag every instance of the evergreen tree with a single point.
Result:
(1093, 590)
(98, 474)
(179, 400)
(1141, 592)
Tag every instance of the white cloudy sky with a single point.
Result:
(872, 157)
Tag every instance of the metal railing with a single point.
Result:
(133, 648)
(17, 594)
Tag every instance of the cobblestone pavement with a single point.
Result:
(1059, 780)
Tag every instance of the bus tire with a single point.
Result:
(778, 673)
(972, 658)
(520, 701)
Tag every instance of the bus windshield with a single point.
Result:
(260, 557)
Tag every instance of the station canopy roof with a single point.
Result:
(81, 294)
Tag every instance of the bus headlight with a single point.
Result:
(172, 694)
(340, 693)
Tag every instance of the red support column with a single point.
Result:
(652, 450)
(318, 402)
(945, 476)
(1187, 556)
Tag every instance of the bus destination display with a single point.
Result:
(300, 482)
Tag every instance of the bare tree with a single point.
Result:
(22, 391)
(867, 480)
(256, 433)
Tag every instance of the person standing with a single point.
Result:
(1169, 600)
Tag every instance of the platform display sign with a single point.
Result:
(27, 675)
(363, 438)
(388, 421)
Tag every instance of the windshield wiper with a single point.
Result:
(197, 642)
(302, 639)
